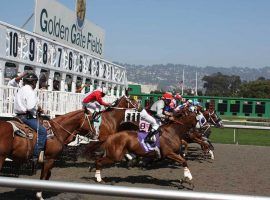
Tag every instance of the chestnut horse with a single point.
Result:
(117, 145)
(112, 120)
(64, 127)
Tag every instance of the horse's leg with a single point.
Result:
(113, 154)
(45, 174)
(185, 144)
(99, 163)
(2, 160)
(53, 148)
(181, 160)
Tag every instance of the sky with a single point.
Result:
(221, 33)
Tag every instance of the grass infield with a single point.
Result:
(242, 136)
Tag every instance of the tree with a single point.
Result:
(219, 84)
(256, 89)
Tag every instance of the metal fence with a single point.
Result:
(119, 191)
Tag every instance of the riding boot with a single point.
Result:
(149, 136)
(94, 116)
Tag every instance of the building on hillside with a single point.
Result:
(139, 88)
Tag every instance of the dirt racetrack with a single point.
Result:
(236, 170)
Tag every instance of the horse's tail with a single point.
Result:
(92, 150)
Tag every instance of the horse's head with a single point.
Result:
(73, 123)
(212, 117)
(126, 102)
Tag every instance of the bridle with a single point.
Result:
(211, 119)
(74, 133)
(131, 105)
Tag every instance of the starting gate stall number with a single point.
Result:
(23, 46)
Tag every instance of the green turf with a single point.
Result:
(243, 136)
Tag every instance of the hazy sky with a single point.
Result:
(194, 32)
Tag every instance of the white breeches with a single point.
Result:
(93, 106)
(145, 116)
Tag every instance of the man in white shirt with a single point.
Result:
(15, 82)
(25, 106)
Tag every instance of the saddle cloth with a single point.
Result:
(147, 147)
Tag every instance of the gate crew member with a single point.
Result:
(25, 106)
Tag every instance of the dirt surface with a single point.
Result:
(236, 169)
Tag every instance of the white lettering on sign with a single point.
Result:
(35, 50)
(55, 21)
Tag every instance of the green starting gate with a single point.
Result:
(226, 106)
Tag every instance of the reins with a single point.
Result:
(74, 133)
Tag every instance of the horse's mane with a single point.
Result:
(68, 115)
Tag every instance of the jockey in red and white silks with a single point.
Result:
(94, 100)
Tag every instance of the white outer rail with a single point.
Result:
(247, 127)
(120, 191)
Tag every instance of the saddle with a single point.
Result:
(21, 129)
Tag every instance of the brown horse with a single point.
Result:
(211, 118)
(64, 127)
(117, 145)
(112, 120)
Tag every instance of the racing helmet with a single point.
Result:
(190, 101)
(167, 95)
(178, 96)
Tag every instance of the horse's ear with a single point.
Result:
(126, 92)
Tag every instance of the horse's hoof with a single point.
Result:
(39, 196)
(100, 181)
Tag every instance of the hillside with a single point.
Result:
(171, 74)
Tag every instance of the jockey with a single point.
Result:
(94, 100)
(160, 109)
(177, 99)
(25, 106)
(188, 104)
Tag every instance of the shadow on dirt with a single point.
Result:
(142, 179)
(20, 194)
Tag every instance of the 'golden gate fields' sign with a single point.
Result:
(55, 21)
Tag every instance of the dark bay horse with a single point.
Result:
(212, 119)
(117, 145)
(64, 127)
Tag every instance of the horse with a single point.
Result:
(64, 128)
(172, 133)
(112, 120)
(211, 118)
